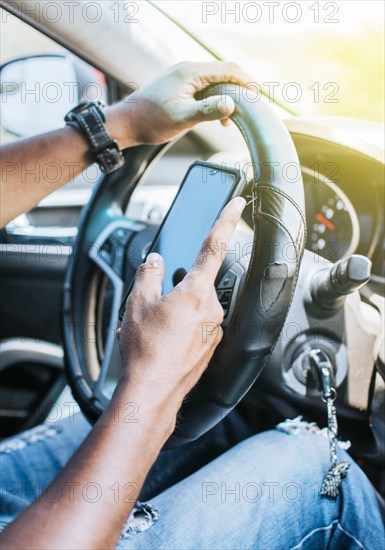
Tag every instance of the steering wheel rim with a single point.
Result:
(267, 279)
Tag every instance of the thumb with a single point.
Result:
(149, 277)
(214, 108)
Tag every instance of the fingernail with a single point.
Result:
(240, 203)
(153, 258)
(222, 107)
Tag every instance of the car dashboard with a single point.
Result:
(342, 165)
(343, 172)
(344, 187)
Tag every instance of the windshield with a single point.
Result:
(314, 57)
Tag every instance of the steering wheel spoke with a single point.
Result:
(111, 251)
(113, 247)
(109, 369)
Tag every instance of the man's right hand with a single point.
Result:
(167, 341)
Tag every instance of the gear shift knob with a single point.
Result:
(330, 286)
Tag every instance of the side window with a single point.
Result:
(40, 81)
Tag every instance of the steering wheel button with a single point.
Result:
(226, 296)
(228, 281)
(224, 300)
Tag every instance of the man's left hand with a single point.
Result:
(167, 107)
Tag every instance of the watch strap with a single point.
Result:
(88, 118)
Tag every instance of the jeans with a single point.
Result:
(262, 493)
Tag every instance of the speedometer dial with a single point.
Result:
(332, 224)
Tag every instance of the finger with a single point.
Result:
(214, 248)
(222, 71)
(213, 108)
(220, 314)
(149, 277)
(225, 122)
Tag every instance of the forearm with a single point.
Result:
(33, 168)
(115, 458)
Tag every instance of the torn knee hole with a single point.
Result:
(141, 518)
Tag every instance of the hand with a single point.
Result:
(167, 107)
(167, 341)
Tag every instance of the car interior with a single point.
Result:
(67, 264)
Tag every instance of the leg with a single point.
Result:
(264, 494)
(176, 464)
(31, 460)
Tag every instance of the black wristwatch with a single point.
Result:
(88, 118)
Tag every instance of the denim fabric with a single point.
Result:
(263, 493)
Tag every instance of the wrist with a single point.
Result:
(148, 405)
(120, 124)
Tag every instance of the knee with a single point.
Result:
(303, 456)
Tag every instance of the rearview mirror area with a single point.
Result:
(36, 92)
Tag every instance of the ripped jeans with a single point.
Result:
(226, 490)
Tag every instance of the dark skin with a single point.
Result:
(159, 113)
(169, 355)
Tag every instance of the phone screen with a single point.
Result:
(204, 192)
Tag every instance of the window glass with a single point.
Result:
(40, 81)
(316, 57)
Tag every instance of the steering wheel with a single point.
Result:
(260, 286)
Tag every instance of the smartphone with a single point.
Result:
(204, 192)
